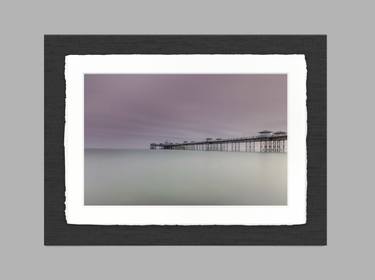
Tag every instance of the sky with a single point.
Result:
(130, 111)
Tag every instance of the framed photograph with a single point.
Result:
(185, 140)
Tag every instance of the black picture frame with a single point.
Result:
(58, 232)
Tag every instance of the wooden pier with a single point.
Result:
(264, 142)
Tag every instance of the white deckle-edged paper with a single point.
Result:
(292, 65)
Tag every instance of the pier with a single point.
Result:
(265, 142)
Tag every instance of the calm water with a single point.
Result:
(156, 177)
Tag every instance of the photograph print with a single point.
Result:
(185, 139)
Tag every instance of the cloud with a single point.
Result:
(131, 111)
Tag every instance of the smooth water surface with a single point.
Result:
(162, 177)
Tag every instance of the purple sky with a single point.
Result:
(132, 111)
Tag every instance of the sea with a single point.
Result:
(172, 177)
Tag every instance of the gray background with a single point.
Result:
(351, 191)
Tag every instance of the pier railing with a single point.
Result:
(273, 143)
